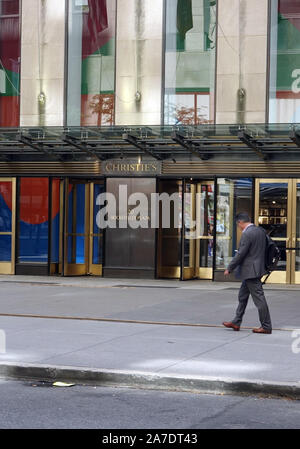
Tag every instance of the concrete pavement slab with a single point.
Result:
(159, 304)
(168, 349)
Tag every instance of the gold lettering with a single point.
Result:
(131, 167)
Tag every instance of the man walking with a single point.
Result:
(250, 264)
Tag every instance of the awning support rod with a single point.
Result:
(179, 138)
(251, 143)
(134, 141)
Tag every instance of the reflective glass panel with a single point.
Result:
(170, 234)
(76, 245)
(5, 248)
(273, 200)
(91, 66)
(33, 220)
(97, 250)
(76, 222)
(189, 225)
(97, 256)
(5, 206)
(55, 217)
(76, 209)
(284, 83)
(206, 225)
(190, 61)
(233, 196)
(10, 57)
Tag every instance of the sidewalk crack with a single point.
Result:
(83, 348)
(205, 352)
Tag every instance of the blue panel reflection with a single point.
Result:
(5, 248)
(5, 216)
(33, 242)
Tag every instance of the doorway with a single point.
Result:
(169, 233)
(277, 210)
(185, 246)
(198, 230)
(83, 240)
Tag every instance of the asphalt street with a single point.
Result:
(37, 405)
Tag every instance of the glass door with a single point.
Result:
(198, 230)
(76, 227)
(95, 233)
(204, 229)
(294, 247)
(274, 212)
(56, 228)
(169, 232)
(7, 225)
(83, 240)
(189, 231)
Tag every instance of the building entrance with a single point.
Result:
(83, 240)
(198, 230)
(185, 248)
(277, 210)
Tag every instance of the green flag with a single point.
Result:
(206, 15)
(184, 17)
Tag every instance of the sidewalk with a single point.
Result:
(152, 334)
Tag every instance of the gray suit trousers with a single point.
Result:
(253, 287)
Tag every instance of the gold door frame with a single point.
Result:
(280, 277)
(94, 269)
(294, 240)
(75, 269)
(189, 272)
(57, 268)
(195, 270)
(86, 268)
(202, 272)
(9, 267)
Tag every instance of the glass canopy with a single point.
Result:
(160, 142)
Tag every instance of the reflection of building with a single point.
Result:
(203, 99)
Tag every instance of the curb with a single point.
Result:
(144, 380)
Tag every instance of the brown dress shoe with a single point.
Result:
(231, 325)
(261, 330)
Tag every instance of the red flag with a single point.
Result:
(9, 42)
(94, 22)
(290, 9)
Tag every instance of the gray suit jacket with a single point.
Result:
(250, 258)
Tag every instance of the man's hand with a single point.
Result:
(226, 273)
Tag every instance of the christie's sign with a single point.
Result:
(121, 167)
